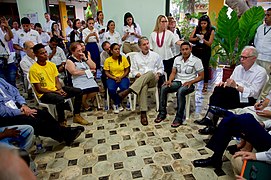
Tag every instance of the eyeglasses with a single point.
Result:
(245, 57)
(164, 21)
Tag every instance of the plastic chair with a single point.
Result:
(108, 99)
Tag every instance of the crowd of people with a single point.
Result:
(59, 67)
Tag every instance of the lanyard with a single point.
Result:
(264, 31)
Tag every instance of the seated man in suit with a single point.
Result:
(187, 70)
(14, 111)
(44, 76)
(146, 67)
(240, 90)
(244, 126)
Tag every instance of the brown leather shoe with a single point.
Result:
(144, 119)
(80, 120)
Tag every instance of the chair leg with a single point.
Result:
(134, 104)
(130, 101)
(108, 99)
(187, 107)
(157, 99)
(98, 100)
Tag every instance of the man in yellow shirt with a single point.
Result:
(44, 76)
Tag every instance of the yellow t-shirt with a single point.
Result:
(44, 75)
(114, 67)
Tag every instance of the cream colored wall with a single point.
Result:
(144, 12)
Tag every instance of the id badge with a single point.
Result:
(89, 74)
(242, 99)
(11, 104)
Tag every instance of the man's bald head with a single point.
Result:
(28, 48)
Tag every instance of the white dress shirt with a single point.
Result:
(86, 32)
(169, 40)
(45, 38)
(48, 26)
(142, 64)
(100, 27)
(251, 80)
(59, 56)
(103, 56)
(68, 30)
(263, 42)
(132, 29)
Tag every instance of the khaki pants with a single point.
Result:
(237, 164)
(140, 87)
(267, 87)
(127, 47)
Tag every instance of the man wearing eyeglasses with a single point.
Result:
(262, 43)
(240, 90)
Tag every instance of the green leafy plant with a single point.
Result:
(234, 34)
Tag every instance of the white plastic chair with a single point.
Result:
(50, 107)
(153, 89)
(108, 99)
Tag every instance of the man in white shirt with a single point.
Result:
(48, 24)
(15, 27)
(7, 66)
(262, 43)
(240, 90)
(68, 31)
(25, 34)
(186, 71)
(56, 55)
(146, 67)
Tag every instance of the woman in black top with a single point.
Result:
(203, 36)
(76, 34)
(56, 32)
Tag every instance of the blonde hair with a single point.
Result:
(158, 20)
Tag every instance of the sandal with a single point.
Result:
(159, 119)
(176, 123)
(144, 120)
(204, 89)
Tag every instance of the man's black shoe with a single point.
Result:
(209, 130)
(218, 111)
(74, 134)
(204, 121)
(207, 162)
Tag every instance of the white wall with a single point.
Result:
(144, 12)
(32, 6)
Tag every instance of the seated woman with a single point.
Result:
(116, 69)
(81, 66)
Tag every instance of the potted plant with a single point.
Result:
(234, 34)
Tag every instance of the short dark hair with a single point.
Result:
(37, 47)
(37, 25)
(90, 19)
(186, 43)
(25, 20)
(141, 39)
(54, 39)
(269, 9)
(104, 43)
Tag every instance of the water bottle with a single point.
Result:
(39, 147)
(105, 105)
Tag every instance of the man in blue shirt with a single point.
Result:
(14, 111)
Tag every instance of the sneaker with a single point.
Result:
(80, 120)
(116, 109)
(120, 108)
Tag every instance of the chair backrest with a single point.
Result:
(130, 56)
(33, 89)
(267, 80)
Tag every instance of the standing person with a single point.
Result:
(100, 26)
(116, 69)
(81, 67)
(7, 66)
(146, 67)
(68, 31)
(15, 27)
(172, 27)
(45, 38)
(186, 71)
(25, 34)
(44, 76)
(57, 33)
(76, 34)
(48, 24)
(111, 35)
(131, 33)
(162, 40)
(262, 43)
(90, 37)
(203, 37)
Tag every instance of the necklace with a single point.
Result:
(264, 31)
(158, 40)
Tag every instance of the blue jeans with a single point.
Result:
(8, 72)
(182, 91)
(24, 140)
(112, 86)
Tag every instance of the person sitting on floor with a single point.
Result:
(81, 68)
(245, 126)
(44, 76)
(14, 111)
(187, 70)
(146, 67)
(116, 69)
(240, 90)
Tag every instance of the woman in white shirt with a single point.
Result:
(45, 38)
(131, 33)
(99, 25)
(90, 37)
(162, 40)
(111, 35)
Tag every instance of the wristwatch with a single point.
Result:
(237, 86)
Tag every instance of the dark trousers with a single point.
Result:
(58, 100)
(245, 126)
(168, 64)
(93, 49)
(43, 123)
(228, 98)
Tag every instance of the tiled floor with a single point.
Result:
(119, 147)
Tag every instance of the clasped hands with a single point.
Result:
(28, 111)
(228, 83)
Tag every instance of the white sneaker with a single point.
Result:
(120, 108)
(116, 109)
